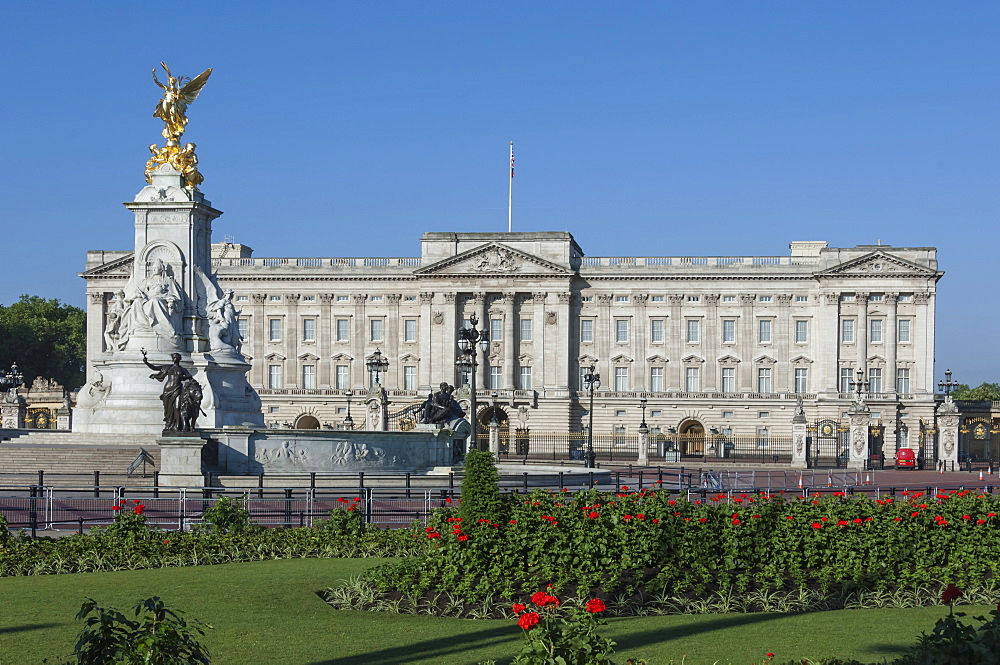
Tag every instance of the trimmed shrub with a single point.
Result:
(481, 489)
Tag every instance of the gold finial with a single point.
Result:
(178, 93)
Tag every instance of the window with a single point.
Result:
(621, 379)
(242, 298)
(496, 330)
(727, 414)
(875, 326)
(906, 297)
(341, 378)
(525, 330)
(728, 298)
(847, 331)
(763, 379)
(464, 376)
(656, 331)
(729, 331)
(621, 298)
(343, 330)
(657, 298)
(763, 414)
(847, 297)
(376, 330)
(409, 330)
(763, 437)
(308, 298)
(244, 325)
(876, 297)
(619, 413)
(764, 331)
(409, 299)
(845, 379)
(764, 299)
(801, 298)
(274, 326)
(656, 414)
(874, 379)
(801, 332)
(902, 381)
(274, 409)
(525, 378)
(496, 377)
(694, 298)
(728, 379)
(308, 330)
(309, 377)
(801, 380)
(274, 376)
(903, 330)
(409, 377)
(466, 324)
(586, 298)
(376, 298)
(621, 330)
(343, 298)
(692, 379)
(656, 379)
(275, 298)
(693, 331)
(586, 330)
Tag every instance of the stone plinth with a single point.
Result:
(858, 448)
(947, 426)
(180, 461)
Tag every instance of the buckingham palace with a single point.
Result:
(690, 345)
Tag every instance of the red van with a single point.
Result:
(906, 459)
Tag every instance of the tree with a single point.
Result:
(986, 392)
(45, 338)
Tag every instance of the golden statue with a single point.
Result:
(172, 108)
(177, 94)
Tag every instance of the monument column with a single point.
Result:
(890, 336)
(480, 310)
(560, 365)
(746, 340)
(862, 333)
(640, 344)
(426, 342)
(784, 379)
(827, 344)
(449, 350)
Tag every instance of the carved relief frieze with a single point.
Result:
(747, 298)
(891, 298)
(393, 298)
(326, 298)
(784, 298)
(921, 298)
(563, 298)
(832, 298)
(96, 298)
(450, 298)
(293, 298)
(426, 298)
(711, 299)
(539, 296)
(641, 299)
(359, 298)
(438, 318)
(258, 298)
(675, 298)
(551, 319)
(604, 298)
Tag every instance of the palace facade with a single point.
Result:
(725, 344)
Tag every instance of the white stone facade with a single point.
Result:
(723, 342)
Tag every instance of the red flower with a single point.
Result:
(593, 515)
(624, 488)
(342, 500)
(966, 517)
(736, 522)
(951, 594)
(136, 501)
(351, 507)
(857, 520)
(447, 499)
(843, 522)
(517, 608)
(166, 542)
(897, 519)
(595, 605)
(138, 509)
(538, 597)
(700, 519)
(817, 525)
(656, 521)
(463, 538)
(770, 655)
(116, 507)
(527, 620)
(626, 517)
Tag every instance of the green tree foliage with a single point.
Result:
(480, 488)
(45, 338)
(984, 392)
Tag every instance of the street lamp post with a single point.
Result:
(591, 381)
(642, 405)
(348, 421)
(12, 379)
(468, 338)
(947, 385)
(377, 365)
(859, 385)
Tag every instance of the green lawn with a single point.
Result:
(268, 612)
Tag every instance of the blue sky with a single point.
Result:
(653, 128)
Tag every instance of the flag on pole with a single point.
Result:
(511, 159)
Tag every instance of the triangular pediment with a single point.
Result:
(728, 360)
(765, 360)
(120, 267)
(876, 264)
(492, 259)
(656, 359)
(586, 360)
(622, 358)
(800, 360)
(692, 359)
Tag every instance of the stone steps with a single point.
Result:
(29, 458)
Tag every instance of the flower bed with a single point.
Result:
(647, 547)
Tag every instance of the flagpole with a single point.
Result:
(510, 189)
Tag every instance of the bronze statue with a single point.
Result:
(177, 94)
(441, 407)
(175, 376)
(189, 404)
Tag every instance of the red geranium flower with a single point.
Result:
(595, 605)
(463, 538)
(593, 515)
(538, 598)
(527, 620)
(951, 594)
(517, 608)
(116, 507)
(138, 509)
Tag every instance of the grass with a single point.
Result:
(267, 612)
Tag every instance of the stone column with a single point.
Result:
(784, 377)
(509, 359)
(923, 342)
(799, 433)
(325, 341)
(359, 337)
(538, 325)
(495, 439)
(449, 339)
(377, 410)
(643, 446)
(746, 340)
(827, 344)
(13, 409)
(180, 461)
(640, 344)
(258, 340)
(392, 336)
(890, 336)
(482, 313)
(424, 378)
(676, 334)
(291, 340)
(860, 416)
(559, 378)
(96, 317)
(947, 426)
(604, 329)
(711, 339)
(861, 336)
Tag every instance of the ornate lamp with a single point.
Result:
(591, 382)
(377, 365)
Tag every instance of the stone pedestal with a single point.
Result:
(64, 418)
(799, 434)
(495, 439)
(858, 452)
(947, 426)
(12, 411)
(180, 461)
(377, 410)
(643, 446)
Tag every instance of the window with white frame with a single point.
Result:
(763, 379)
(496, 330)
(875, 297)
(308, 330)
(801, 380)
(409, 330)
(656, 331)
(847, 297)
(694, 298)
(343, 330)
(274, 376)
(496, 377)
(764, 331)
(692, 379)
(275, 298)
(874, 379)
(343, 298)
(525, 330)
(244, 325)
(621, 298)
(376, 326)
(308, 298)
(801, 298)
(728, 298)
(847, 331)
(242, 298)
(656, 379)
(903, 380)
(657, 298)
(763, 414)
(845, 379)
(728, 379)
(376, 298)
(727, 414)
(875, 326)
(763, 437)
(729, 331)
(409, 299)
(801, 332)
(693, 331)
(586, 298)
(621, 379)
(409, 377)
(764, 299)
(906, 297)
(903, 330)
(340, 377)
(586, 330)
(525, 374)
(274, 329)
(309, 377)
(621, 330)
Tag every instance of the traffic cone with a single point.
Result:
(800, 481)
(829, 480)
(941, 467)
(868, 479)
(980, 474)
